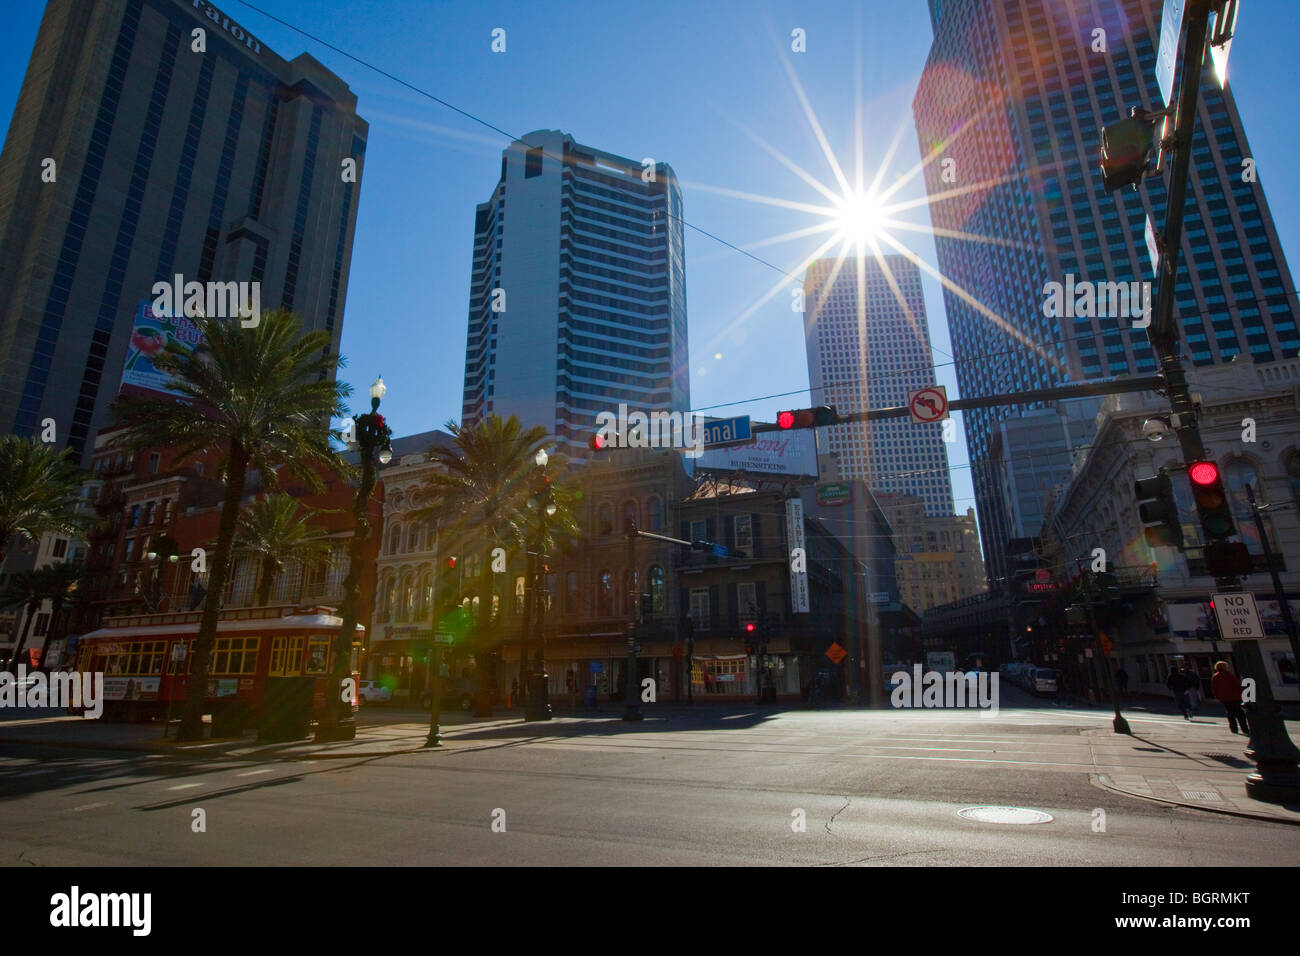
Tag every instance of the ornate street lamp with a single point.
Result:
(373, 439)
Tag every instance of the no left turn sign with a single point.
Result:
(928, 404)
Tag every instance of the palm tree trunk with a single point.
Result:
(27, 628)
(265, 586)
(191, 727)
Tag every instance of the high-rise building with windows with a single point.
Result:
(868, 347)
(153, 138)
(1015, 93)
(578, 291)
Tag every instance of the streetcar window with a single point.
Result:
(235, 655)
(318, 651)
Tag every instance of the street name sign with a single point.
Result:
(727, 431)
(1171, 31)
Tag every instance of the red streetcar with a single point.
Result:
(263, 659)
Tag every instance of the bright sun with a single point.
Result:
(860, 217)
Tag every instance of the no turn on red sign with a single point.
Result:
(1238, 617)
(929, 404)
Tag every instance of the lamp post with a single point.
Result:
(372, 438)
(155, 587)
(539, 696)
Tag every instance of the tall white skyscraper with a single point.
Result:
(578, 295)
(868, 346)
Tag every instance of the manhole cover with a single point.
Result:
(1004, 815)
(1206, 795)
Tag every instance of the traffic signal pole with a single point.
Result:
(1276, 778)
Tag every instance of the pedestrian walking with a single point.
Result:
(1121, 680)
(1177, 684)
(1226, 688)
(514, 692)
(1193, 682)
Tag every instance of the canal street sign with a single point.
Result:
(1238, 616)
(727, 431)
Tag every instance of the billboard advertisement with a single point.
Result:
(150, 333)
(791, 452)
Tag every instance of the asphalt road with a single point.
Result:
(701, 789)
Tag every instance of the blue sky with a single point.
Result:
(681, 82)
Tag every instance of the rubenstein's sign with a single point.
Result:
(223, 21)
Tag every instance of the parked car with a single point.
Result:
(457, 694)
(1043, 681)
(372, 692)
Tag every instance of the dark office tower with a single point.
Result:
(1015, 93)
(578, 291)
(220, 166)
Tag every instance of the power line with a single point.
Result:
(482, 122)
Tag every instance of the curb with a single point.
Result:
(1101, 778)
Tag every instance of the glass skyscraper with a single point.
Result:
(222, 164)
(1015, 93)
(868, 347)
(578, 292)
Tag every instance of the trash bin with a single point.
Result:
(286, 708)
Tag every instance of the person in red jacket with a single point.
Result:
(1226, 687)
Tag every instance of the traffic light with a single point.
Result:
(451, 562)
(1157, 508)
(1211, 500)
(1227, 559)
(814, 417)
(1125, 151)
(749, 628)
(596, 442)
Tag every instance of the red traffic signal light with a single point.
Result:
(814, 417)
(750, 627)
(1211, 500)
(596, 442)
(451, 563)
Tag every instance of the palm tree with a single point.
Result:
(478, 493)
(40, 491)
(25, 589)
(276, 531)
(59, 583)
(259, 397)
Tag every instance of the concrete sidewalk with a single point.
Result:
(1198, 763)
